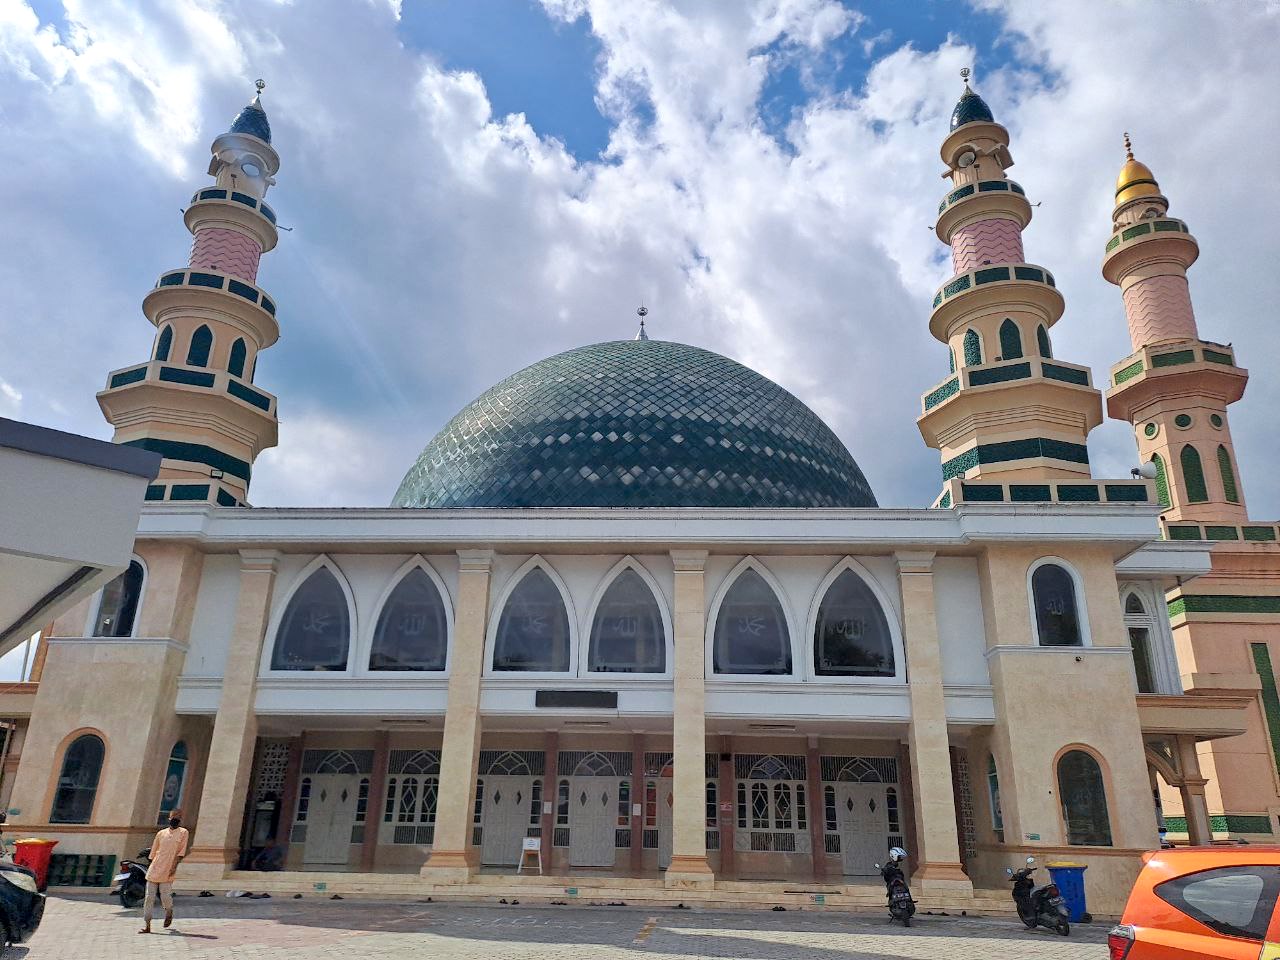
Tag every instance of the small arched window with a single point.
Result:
(315, 630)
(1010, 340)
(235, 363)
(78, 782)
(972, 349)
(1053, 593)
(1162, 480)
(1193, 475)
(1084, 800)
(1139, 624)
(1042, 342)
(627, 634)
(119, 605)
(533, 632)
(993, 795)
(851, 637)
(751, 633)
(201, 346)
(174, 780)
(412, 631)
(1228, 475)
(164, 343)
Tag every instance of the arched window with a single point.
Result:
(164, 343)
(851, 637)
(1053, 594)
(1084, 800)
(993, 795)
(1042, 341)
(119, 606)
(1162, 480)
(1139, 623)
(78, 781)
(751, 629)
(951, 357)
(235, 364)
(315, 630)
(201, 345)
(533, 633)
(174, 780)
(1010, 340)
(627, 634)
(412, 631)
(1228, 475)
(972, 349)
(1193, 475)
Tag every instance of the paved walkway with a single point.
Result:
(217, 928)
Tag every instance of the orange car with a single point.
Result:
(1198, 902)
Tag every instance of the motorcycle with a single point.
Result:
(901, 906)
(1038, 906)
(132, 879)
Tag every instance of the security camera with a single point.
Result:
(1145, 472)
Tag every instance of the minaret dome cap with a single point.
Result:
(971, 107)
(253, 119)
(1136, 179)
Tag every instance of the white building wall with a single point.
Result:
(961, 629)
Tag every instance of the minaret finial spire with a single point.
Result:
(642, 311)
(1128, 146)
(965, 73)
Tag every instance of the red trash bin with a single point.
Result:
(35, 853)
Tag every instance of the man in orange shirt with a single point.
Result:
(167, 851)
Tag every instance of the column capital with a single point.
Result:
(475, 561)
(259, 561)
(915, 561)
(689, 561)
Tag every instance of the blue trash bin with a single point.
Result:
(1070, 880)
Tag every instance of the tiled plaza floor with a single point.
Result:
(315, 929)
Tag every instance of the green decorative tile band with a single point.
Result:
(983, 492)
(248, 395)
(195, 453)
(1167, 226)
(1173, 359)
(1184, 533)
(1113, 243)
(1078, 493)
(1126, 493)
(1259, 534)
(1213, 356)
(1029, 493)
(1129, 372)
(955, 286)
(1137, 231)
(1014, 371)
(1222, 603)
(1270, 698)
(189, 491)
(1015, 450)
(129, 376)
(1066, 374)
(957, 465)
(1221, 533)
(1029, 273)
(990, 275)
(948, 389)
(226, 500)
(155, 491)
(1230, 823)
(192, 378)
(945, 502)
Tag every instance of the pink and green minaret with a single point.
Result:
(194, 400)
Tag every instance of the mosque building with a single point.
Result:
(638, 607)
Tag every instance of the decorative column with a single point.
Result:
(689, 865)
(817, 812)
(725, 794)
(939, 869)
(638, 780)
(451, 853)
(550, 764)
(235, 730)
(377, 791)
(1194, 805)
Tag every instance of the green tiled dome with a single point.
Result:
(971, 107)
(635, 423)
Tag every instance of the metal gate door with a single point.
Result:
(331, 817)
(864, 827)
(593, 817)
(505, 819)
(666, 802)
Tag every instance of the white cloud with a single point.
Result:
(438, 247)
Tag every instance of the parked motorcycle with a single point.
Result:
(901, 906)
(132, 879)
(1038, 906)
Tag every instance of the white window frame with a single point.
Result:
(495, 617)
(1082, 605)
(277, 617)
(364, 646)
(891, 613)
(713, 616)
(588, 622)
(95, 603)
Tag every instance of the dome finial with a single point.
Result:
(642, 311)
(964, 75)
(1128, 146)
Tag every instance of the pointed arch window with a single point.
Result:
(1228, 475)
(1139, 623)
(751, 633)
(1053, 592)
(993, 796)
(1083, 796)
(235, 363)
(78, 780)
(315, 631)
(201, 347)
(1010, 340)
(1162, 480)
(972, 349)
(533, 633)
(1193, 475)
(174, 780)
(119, 605)
(412, 631)
(851, 637)
(1042, 342)
(627, 635)
(164, 343)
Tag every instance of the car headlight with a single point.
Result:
(20, 880)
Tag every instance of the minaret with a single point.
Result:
(193, 401)
(1008, 412)
(1175, 387)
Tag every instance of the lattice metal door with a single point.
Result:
(593, 818)
(666, 806)
(863, 816)
(331, 817)
(505, 818)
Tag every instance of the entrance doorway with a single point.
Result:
(594, 802)
(333, 800)
(863, 815)
(510, 805)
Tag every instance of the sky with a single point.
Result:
(472, 185)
